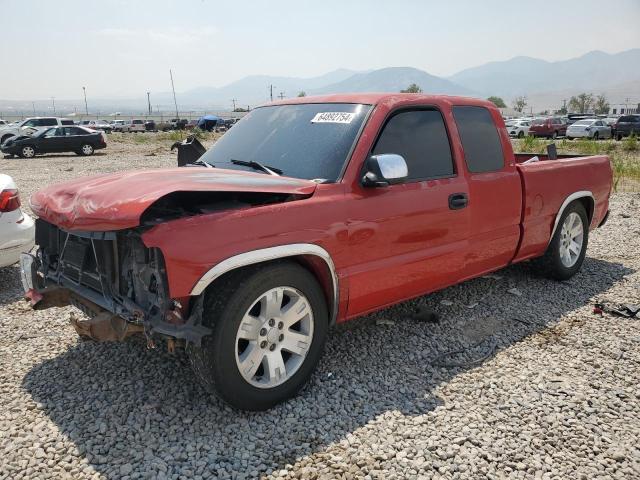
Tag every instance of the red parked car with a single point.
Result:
(317, 210)
(548, 127)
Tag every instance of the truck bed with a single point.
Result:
(549, 185)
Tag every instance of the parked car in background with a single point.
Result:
(518, 128)
(589, 128)
(18, 128)
(552, 127)
(135, 125)
(101, 125)
(178, 123)
(249, 264)
(3, 122)
(191, 125)
(17, 230)
(80, 140)
(150, 126)
(626, 125)
(118, 125)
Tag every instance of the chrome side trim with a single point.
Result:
(565, 204)
(267, 254)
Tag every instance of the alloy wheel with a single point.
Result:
(571, 239)
(274, 337)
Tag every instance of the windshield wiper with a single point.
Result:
(258, 166)
(202, 162)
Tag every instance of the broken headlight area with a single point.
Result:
(117, 281)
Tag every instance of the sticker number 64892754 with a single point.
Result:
(333, 117)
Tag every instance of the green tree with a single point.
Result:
(519, 103)
(601, 105)
(498, 102)
(302, 93)
(581, 103)
(413, 88)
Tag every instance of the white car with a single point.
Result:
(518, 128)
(18, 128)
(589, 128)
(134, 126)
(17, 232)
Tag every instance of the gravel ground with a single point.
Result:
(558, 395)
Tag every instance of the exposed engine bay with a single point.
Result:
(108, 273)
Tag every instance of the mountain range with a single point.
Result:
(545, 83)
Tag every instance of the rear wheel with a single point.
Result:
(269, 326)
(565, 253)
(86, 149)
(596, 136)
(520, 134)
(555, 135)
(27, 151)
(618, 137)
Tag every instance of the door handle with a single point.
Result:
(458, 201)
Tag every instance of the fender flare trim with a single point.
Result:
(574, 196)
(272, 253)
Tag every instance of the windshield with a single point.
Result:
(310, 141)
(539, 121)
(584, 123)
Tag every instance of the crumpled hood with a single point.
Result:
(116, 201)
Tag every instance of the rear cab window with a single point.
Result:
(480, 139)
(421, 138)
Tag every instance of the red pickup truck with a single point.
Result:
(308, 212)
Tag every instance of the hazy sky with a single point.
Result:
(124, 48)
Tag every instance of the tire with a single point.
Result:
(86, 150)
(596, 136)
(569, 138)
(555, 263)
(555, 135)
(520, 134)
(618, 137)
(27, 152)
(240, 300)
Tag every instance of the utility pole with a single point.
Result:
(33, 104)
(53, 102)
(149, 101)
(233, 100)
(86, 109)
(271, 92)
(281, 95)
(564, 105)
(174, 94)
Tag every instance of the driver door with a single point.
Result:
(53, 140)
(409, 239)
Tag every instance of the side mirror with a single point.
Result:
(384, 170)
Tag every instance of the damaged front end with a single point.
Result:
(113, 278)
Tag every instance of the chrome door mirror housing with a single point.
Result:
(384, 170)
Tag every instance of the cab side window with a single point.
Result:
(420, 137)
(480, 139)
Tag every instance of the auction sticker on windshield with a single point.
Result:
(333, 117)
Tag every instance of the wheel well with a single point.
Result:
(316, 265)
(588, 204)
(5, 137)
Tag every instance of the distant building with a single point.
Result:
(624, 108)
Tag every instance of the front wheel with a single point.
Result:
(555, 135)
(520, 134)
(596, 136)
(269, 325)
(27, 151)
(566, 252)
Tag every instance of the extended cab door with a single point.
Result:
(495, 191)
(408, 239)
